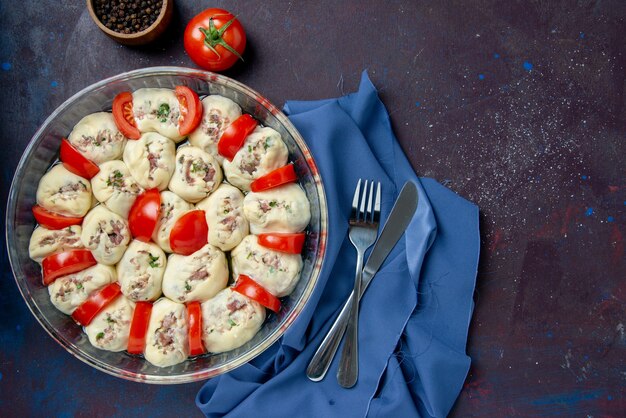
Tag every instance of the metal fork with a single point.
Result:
(362, 233)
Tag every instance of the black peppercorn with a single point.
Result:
(127, 16)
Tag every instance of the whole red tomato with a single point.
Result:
(215, 39)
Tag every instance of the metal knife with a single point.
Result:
(397, 222)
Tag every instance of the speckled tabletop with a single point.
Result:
(517, 106)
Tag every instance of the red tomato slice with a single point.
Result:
(95, 303)
(144, 214)
(233, 137)
(194, 321)
(190, 109)
(123, 115)
(278, 177)
(53, 220)
(68, 262)
(283, 242)
(248, 287)
(189, 233)
(75, 162)
(139, 327)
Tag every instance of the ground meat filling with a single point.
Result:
(251, 160)
(118, 182)
(154, 159)
(164, 335)
(103, 137)
(115, 322)
(195, 166)
(65, 237)
(69, 286)
(267, 205)
(115, 237)
(213, 124)
(70, 191)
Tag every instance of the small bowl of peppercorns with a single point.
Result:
(131, 22)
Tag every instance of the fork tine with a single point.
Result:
(377, 205)
(355, 201)
(369, 216)
(363, 199)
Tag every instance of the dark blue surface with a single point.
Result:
(413, 320)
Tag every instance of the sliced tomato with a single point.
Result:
(95, 303)
(139, 327)
(123, 115)
(278, 177)
(194, 322)
(234, 136)
(283, 242)
(189, 233)
(75, 162)
(190, 109)
(68, 262)
(248, 287)
(53, 220)
(144, 214)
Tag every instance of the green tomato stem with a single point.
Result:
(214, 37)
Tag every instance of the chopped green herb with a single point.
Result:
(226, 211)
(79, 286)
(266, 144)
(116, 179)
(163, 112)
(100, 336)
(197, 166)
(249, 256)
(250, 149)
(232, 323)
(273, 204)
(153, 261)
(110, 320)
(187, 287)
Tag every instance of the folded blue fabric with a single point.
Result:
(415, 314)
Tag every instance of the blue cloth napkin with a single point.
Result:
(414, 316)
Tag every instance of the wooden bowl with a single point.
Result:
(138, 38)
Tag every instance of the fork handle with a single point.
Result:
(349, 363)
(320, 363)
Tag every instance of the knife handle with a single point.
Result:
(320, 363)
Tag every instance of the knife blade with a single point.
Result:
(397, 222)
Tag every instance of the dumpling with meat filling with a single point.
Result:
(196, 175)
(97, 138)
(106, 234)
(63, 192)
(44, 241)
(172, 208)
(115, 187)
(198, 276)
(157, 110)
(229, 320)
(224, 216)
(218, 112)
(262, 151)
(151, 160)
(277, 272)
(68, 292)
(110, 328)
(140, 271)
(167, 342)
(281, 209)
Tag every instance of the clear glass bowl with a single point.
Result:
(43, 150)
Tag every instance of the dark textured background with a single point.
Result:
(518, 106)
